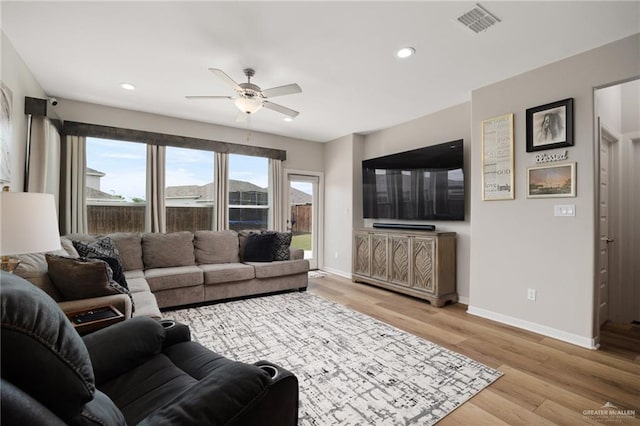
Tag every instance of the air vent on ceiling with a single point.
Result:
(478, 19)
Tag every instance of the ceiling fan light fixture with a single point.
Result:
(248, 106)
(405, 52)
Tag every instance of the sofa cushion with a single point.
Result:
(81, 278)
(216, 247)
(175, 277)
(146, 305)
(280, 268)
(227, 272)
(136, 285)
(130, 247)
(242, 241)
(33, 268)
(67, 245)
(131, 275)
(168, 250)
(259, 247)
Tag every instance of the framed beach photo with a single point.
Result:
(550, 126)
(556, 180)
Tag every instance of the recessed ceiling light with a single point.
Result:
(127, 86)
(405, 52)
(288, 119)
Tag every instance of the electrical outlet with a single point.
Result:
(335, 254)
(531, 294)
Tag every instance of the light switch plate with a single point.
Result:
(564, 210)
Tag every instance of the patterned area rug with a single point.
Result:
(352, 369)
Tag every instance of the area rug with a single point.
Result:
(352, 369)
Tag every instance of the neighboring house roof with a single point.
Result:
(96, 194)
(299, 197)
(94, 172)
(206, 191)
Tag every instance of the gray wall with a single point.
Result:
(519, 244)
(18, 78)
(444, 126)
(340, 192)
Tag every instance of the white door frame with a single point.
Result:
(318, 224)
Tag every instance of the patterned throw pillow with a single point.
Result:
(281, 246)
(103, 248)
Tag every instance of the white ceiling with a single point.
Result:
(340, 53)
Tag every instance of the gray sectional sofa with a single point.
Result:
(175, 269)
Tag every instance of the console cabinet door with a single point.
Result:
(423, 264)
(362, 251)
(399, 265)
(379, 257)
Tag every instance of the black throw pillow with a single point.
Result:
(259, 247)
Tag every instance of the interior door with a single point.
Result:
(303, 208)
(604, 240)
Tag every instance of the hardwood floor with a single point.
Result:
(545, 381)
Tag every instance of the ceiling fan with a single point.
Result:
(250, 98)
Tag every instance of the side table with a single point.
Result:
(88, 320)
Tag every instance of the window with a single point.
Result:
(190, 190)
(115, 186)
(248, 192)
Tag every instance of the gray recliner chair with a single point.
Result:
(133, 372)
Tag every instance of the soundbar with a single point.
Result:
(414, 226)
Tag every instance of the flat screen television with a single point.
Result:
(422, 184)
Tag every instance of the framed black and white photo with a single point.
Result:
(550, 126)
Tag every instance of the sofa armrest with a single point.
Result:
(175, 332)
(121, 347)
(296, 254)
(121, 302)
(223, 397)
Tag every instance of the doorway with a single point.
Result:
(302, 213)
(618, 243)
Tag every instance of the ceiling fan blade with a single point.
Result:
(241, 117)
(208, 97)
(224, 77)
(289, 89)
(281, 109)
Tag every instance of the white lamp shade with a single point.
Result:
(248, 106)
(28, 223)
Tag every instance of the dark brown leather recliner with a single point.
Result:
(134, 372)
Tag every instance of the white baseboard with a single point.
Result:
(464, 300)
(336, 272)
(574, 339)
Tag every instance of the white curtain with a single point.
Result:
(44, 158)
(221, 207)
(276, 196)
(75, 205)
(156, 217)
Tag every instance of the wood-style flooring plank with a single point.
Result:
(545, 381)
